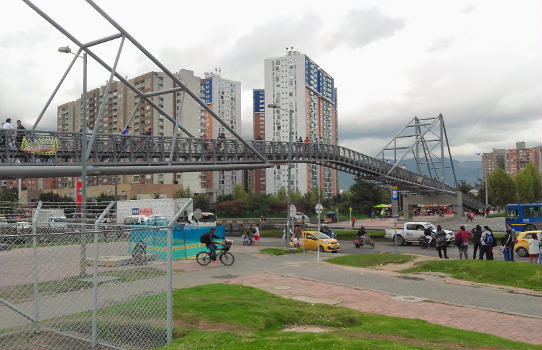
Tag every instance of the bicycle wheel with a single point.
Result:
(203, 258)
(227, 258)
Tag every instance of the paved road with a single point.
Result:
(347, 247)
(248, 263)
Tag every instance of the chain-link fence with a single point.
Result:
(70, 284)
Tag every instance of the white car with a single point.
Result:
(23, 227)
(413, 231)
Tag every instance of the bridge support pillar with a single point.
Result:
(411, 201)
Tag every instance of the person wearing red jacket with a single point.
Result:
(462, 238)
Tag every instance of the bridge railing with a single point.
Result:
(31, 147)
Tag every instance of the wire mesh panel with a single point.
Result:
(78, 285)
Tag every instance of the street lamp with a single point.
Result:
(66, 49)
(290, 112)
(485, 175)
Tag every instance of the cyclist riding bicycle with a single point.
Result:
(207, 239)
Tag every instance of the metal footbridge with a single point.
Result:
(113, 154)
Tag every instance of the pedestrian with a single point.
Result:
(372, 215)
(440, 242)
(20, 133)
(486, 239)
(539, 250)
(462, 237)
(89, 132)
(513, 234)
(7, 125)
(534, 249)
(476, 236)
(508, 242)
(297, 235)
(353, 222)
(256, 234)
(307, 140)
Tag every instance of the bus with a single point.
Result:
(524, 217)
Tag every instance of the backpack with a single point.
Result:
(201, 239)
(489, 238)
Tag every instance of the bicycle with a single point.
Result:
(204, 258)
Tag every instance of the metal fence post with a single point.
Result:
(35, 267)
(95, 276)
(170, 270)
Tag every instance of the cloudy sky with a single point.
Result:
(476, 62)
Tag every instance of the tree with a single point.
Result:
(156, 195)
(365, 195)
(183, 193)
(53, 197)
(501, 188)
(525, 186)
(9, 195)
(232, 208)
(537, 181)
(201, 202)
(239, 193)
(464, 187)
(281, 194)
(105, 198)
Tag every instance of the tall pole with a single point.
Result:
(84, 169)
(289, 196)
(486, 180)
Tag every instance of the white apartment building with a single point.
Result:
(223, 96)
(295, 82)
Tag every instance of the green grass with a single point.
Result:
(222, 316)
(24, 292)
(494, 272)
(341, 234)
(358, 260)
(280, 251)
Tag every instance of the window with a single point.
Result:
(531, 212)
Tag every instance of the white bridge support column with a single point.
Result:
(411, 201)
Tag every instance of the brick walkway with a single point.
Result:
(526, 329)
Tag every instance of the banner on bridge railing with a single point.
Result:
(40, 145)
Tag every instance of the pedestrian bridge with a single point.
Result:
(47, 153)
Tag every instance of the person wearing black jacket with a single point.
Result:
(207, 239)
(476, 235)
(508, 242)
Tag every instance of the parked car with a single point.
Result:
(413, 232)
(313, 240)
(522, 242)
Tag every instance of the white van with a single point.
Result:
(135, 220)
(207, 220)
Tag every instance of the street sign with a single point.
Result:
(292, 211)
(394, 195)
(198, 214)
(319, 208)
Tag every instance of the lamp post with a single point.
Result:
(485, 176)
(66, 49)
(290, 113)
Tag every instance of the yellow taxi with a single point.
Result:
(522, 242)
(313, 240)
